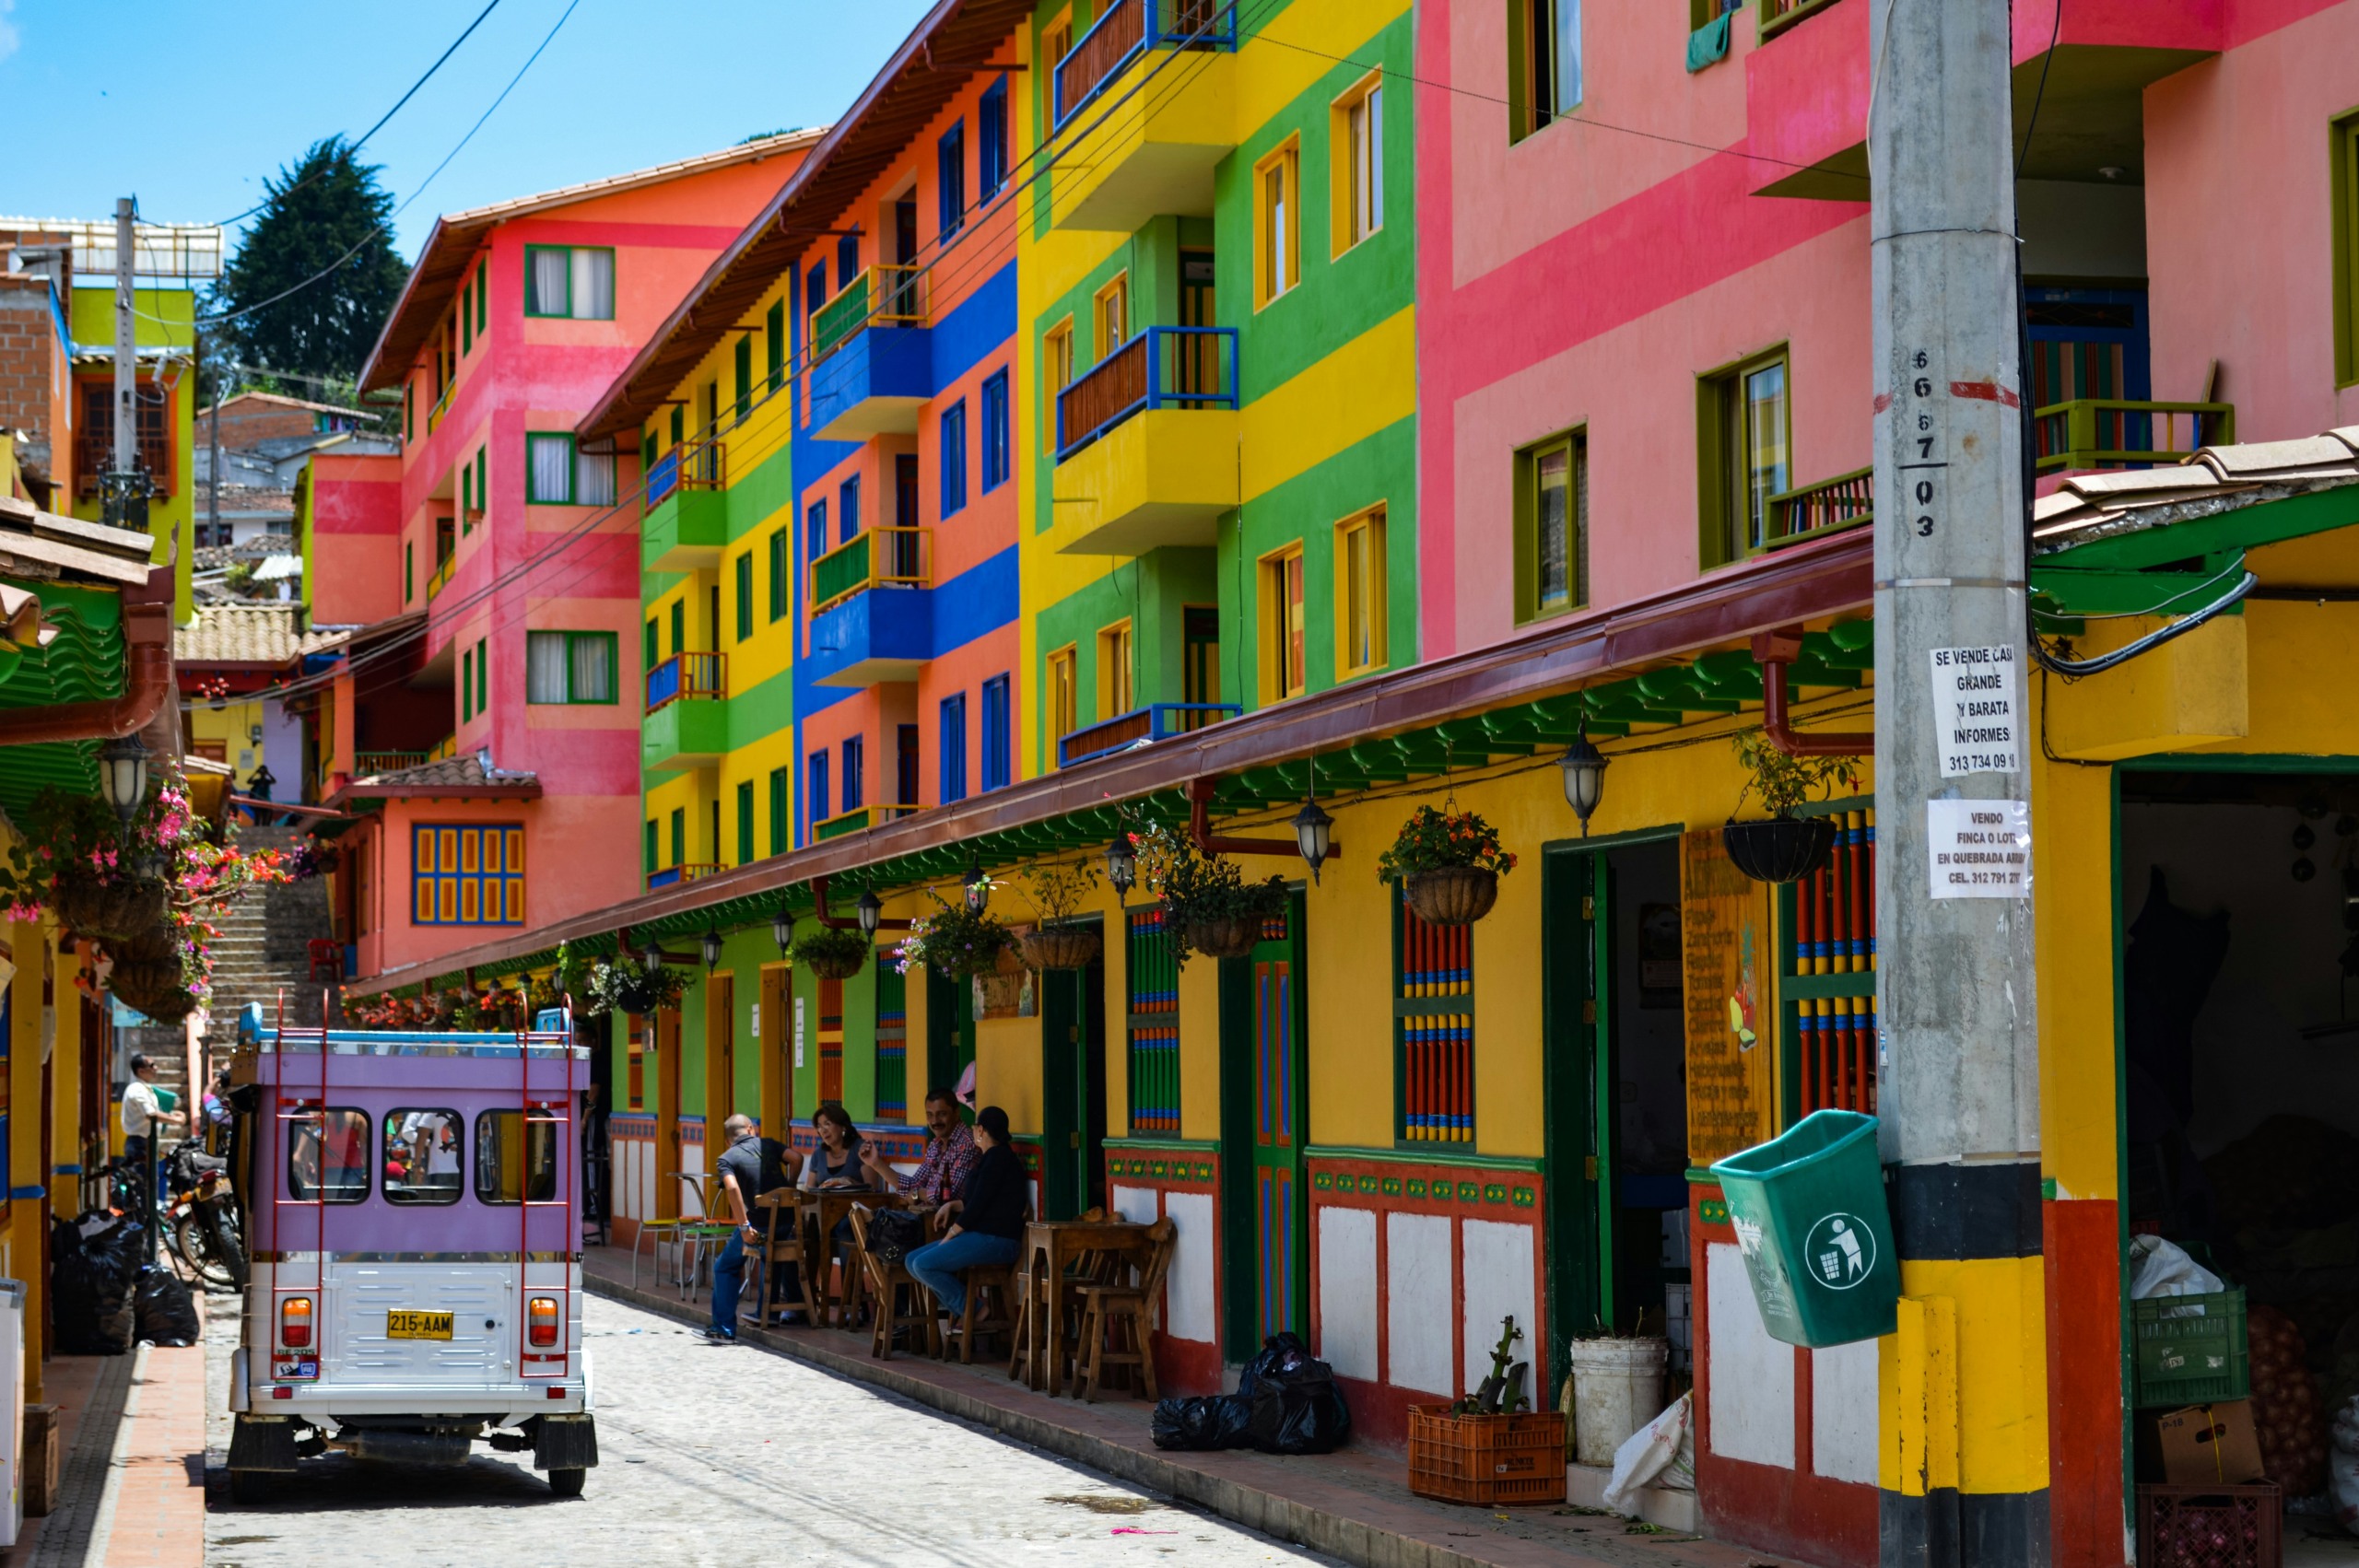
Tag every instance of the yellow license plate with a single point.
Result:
(417, 1325)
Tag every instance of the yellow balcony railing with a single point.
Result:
(442, 577)
(2105, 432)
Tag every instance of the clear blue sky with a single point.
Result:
(188, 104)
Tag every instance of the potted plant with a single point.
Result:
(1449, 865)
(1058, 893)
(1208, 907)
(956, 942)
(150, 975)
(625, 984)
(1783, 847)
(829, 951)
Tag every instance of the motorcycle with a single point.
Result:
(201, 1222)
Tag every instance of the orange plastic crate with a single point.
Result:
(1490, 1461)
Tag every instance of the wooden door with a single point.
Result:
(1574, 998)
(720, 1061)
(1265, 1110)
(1072, 1085)
(777, 1051)
(831, 1041)
(667, 1114)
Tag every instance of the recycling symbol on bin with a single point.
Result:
(1840, 1250)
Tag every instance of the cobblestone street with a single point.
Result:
(715, 1456)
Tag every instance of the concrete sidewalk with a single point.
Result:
(1354, 1504)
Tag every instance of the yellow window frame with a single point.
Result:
(1360, 597)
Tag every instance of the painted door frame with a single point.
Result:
(664, 1041)
(1073, 1089)
(776, 1049)
(1240, 1220)
(950, 1035)
(720, 1053)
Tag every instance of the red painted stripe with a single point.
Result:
(1987, 391)
(2082, 1239)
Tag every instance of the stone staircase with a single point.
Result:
(262, 951)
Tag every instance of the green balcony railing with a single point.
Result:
(2106, 432)
(1813, 512)
(899, 557)
(884, 296)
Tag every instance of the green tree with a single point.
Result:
(316, 274)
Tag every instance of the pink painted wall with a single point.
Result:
(554, 831)
(355, 539)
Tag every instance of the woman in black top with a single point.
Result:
(983, 1225)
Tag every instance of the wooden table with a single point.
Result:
(1050, 1250)
(821, 1210)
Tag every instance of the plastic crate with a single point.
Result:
(2195, 1354)
(2209, 1526)
(1490, 1461)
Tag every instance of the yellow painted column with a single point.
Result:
(27, 1183)
(66, 1092)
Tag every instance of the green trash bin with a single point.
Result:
(1815, 1232)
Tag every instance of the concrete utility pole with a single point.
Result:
(126, 355)
(1966, 1482)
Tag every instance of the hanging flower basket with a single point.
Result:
(1062, 947)
(830, 953)
(1001, 992)
(1782, 848)
(110, 910)
(1230, 936)
(1452, 895)
(149, 976)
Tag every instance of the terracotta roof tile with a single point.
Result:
(246, 634)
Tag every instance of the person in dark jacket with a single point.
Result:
(983, 1225)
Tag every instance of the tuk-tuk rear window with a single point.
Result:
(515, 1156)
(327, 1155)
(423, 1155)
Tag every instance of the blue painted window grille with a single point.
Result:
(467, 875)
(954, 748)
(818, 790)
(954, 459)
(996, 736)
(991, 136)
(855, 772)
(848, 510)
(950, 155)
(995, 445)
(847, 260)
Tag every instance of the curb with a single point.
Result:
(1353, 1540)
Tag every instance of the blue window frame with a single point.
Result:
(848, 515)
(953, 748)
(855, 772)
(950, 169)
(847, 260)
(816, 289)
(815, 529)
(995, 448)
(991, 140)
(954, 459)
(818, 790)
(995, 738)
(467, 875)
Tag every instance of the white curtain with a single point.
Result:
(548, 282)
(593, 286)
(545, 667)
(552, 459)
(594, 669)
(593, 479)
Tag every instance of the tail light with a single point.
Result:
(295, 1323)
(540, 1322)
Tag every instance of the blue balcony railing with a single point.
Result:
(1127, 29)
(688, 676)
(1139, 727)
(692, 465)
(1161, 368)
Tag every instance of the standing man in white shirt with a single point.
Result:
(141, 1112)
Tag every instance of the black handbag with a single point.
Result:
(893, 1234)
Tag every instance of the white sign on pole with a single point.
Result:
(1979, 848)
(798, 1031)
(1978, 710)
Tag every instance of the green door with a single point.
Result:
(1265, 1111)
(1575, 976)
(1073, 1089)
(949, 1032)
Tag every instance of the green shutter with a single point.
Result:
(782, 571)
(745, 596)
(774, 342)
(745, 822)
(647, 851)
(653, 653)
(780, 822)
(466, 684)
(744, 366)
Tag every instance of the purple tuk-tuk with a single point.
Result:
(414, 1205)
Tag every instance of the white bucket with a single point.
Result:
(1617, 1388)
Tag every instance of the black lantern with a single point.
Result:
(783, 928)
(870, 909)
(979, 889)
(1312, 829)
(711, 947)
(123, 776)
(1122, 866)
(1584, 768)
(651, 959)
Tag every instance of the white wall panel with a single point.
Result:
(1347, 1290)
(1190, 1307)
(1843, 1411)
(1417, 1308)
(1752, 1376)
(1502, 1271)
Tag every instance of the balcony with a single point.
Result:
(1831, 506)
(2104, 432)
(367, 765)
(686, 870)
(1132, 157)
(686, 725)
(872, 360)
(883, 295)
(442, 577)
(878, 557)
(857, 820)
(687, 522)
(1139, 727)
(1146, 442)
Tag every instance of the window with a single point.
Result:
(847, 261)
(558, 473)
(819, 788)
(950, 172)
(1112, 317)
(1200, 658)
(650, 652)
(1056, 42)
(576, 281)
(1277, 224)
(1552, 526)
(774, 346)
(1359, 593)
(1284, 667)
(650, 851)
(848, 510)
(743, 365)
(1355, 141)
(423, 1156)
(1744, 416)
(679, 825)
(2344, 158)
(409, 573)
(483, 299)
(516, 1155)
(466, 684)
(1114, 670)
(483, 678)
(954, 459)
(1065, 717)
(905, 765)
(991, 140)
(1545, 63)
(782, 571)
(570, 666)
(855, 772)
(1433, 1051)
(745, 596)
(467, 875)
(953, 748)
(996, 736)
(781, 820)
(814, 527)
(746, 822)
(1056, 374)
(327, 1156)
(467, 318)
(995, 452)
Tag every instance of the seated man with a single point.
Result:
(981, 1226)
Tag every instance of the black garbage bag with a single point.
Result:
(167, 1314)
(1282, 1356)
(89, 1291)
(1296, 1409)
(1217, 1420)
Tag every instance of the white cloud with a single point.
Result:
(8, 37)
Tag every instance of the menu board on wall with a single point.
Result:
(1731, 1026)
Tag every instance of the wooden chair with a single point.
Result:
(781, 1211)
(1106, 1309)
(1004, 1316)
(890, 1286)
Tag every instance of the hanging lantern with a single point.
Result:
(1584, 768)
(979, 889)
(872, 910)
(1313, 829)
(711, 948)
(1122, 866)
(123, 776)
(783, 928)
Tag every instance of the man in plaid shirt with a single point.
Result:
(950, 1153)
